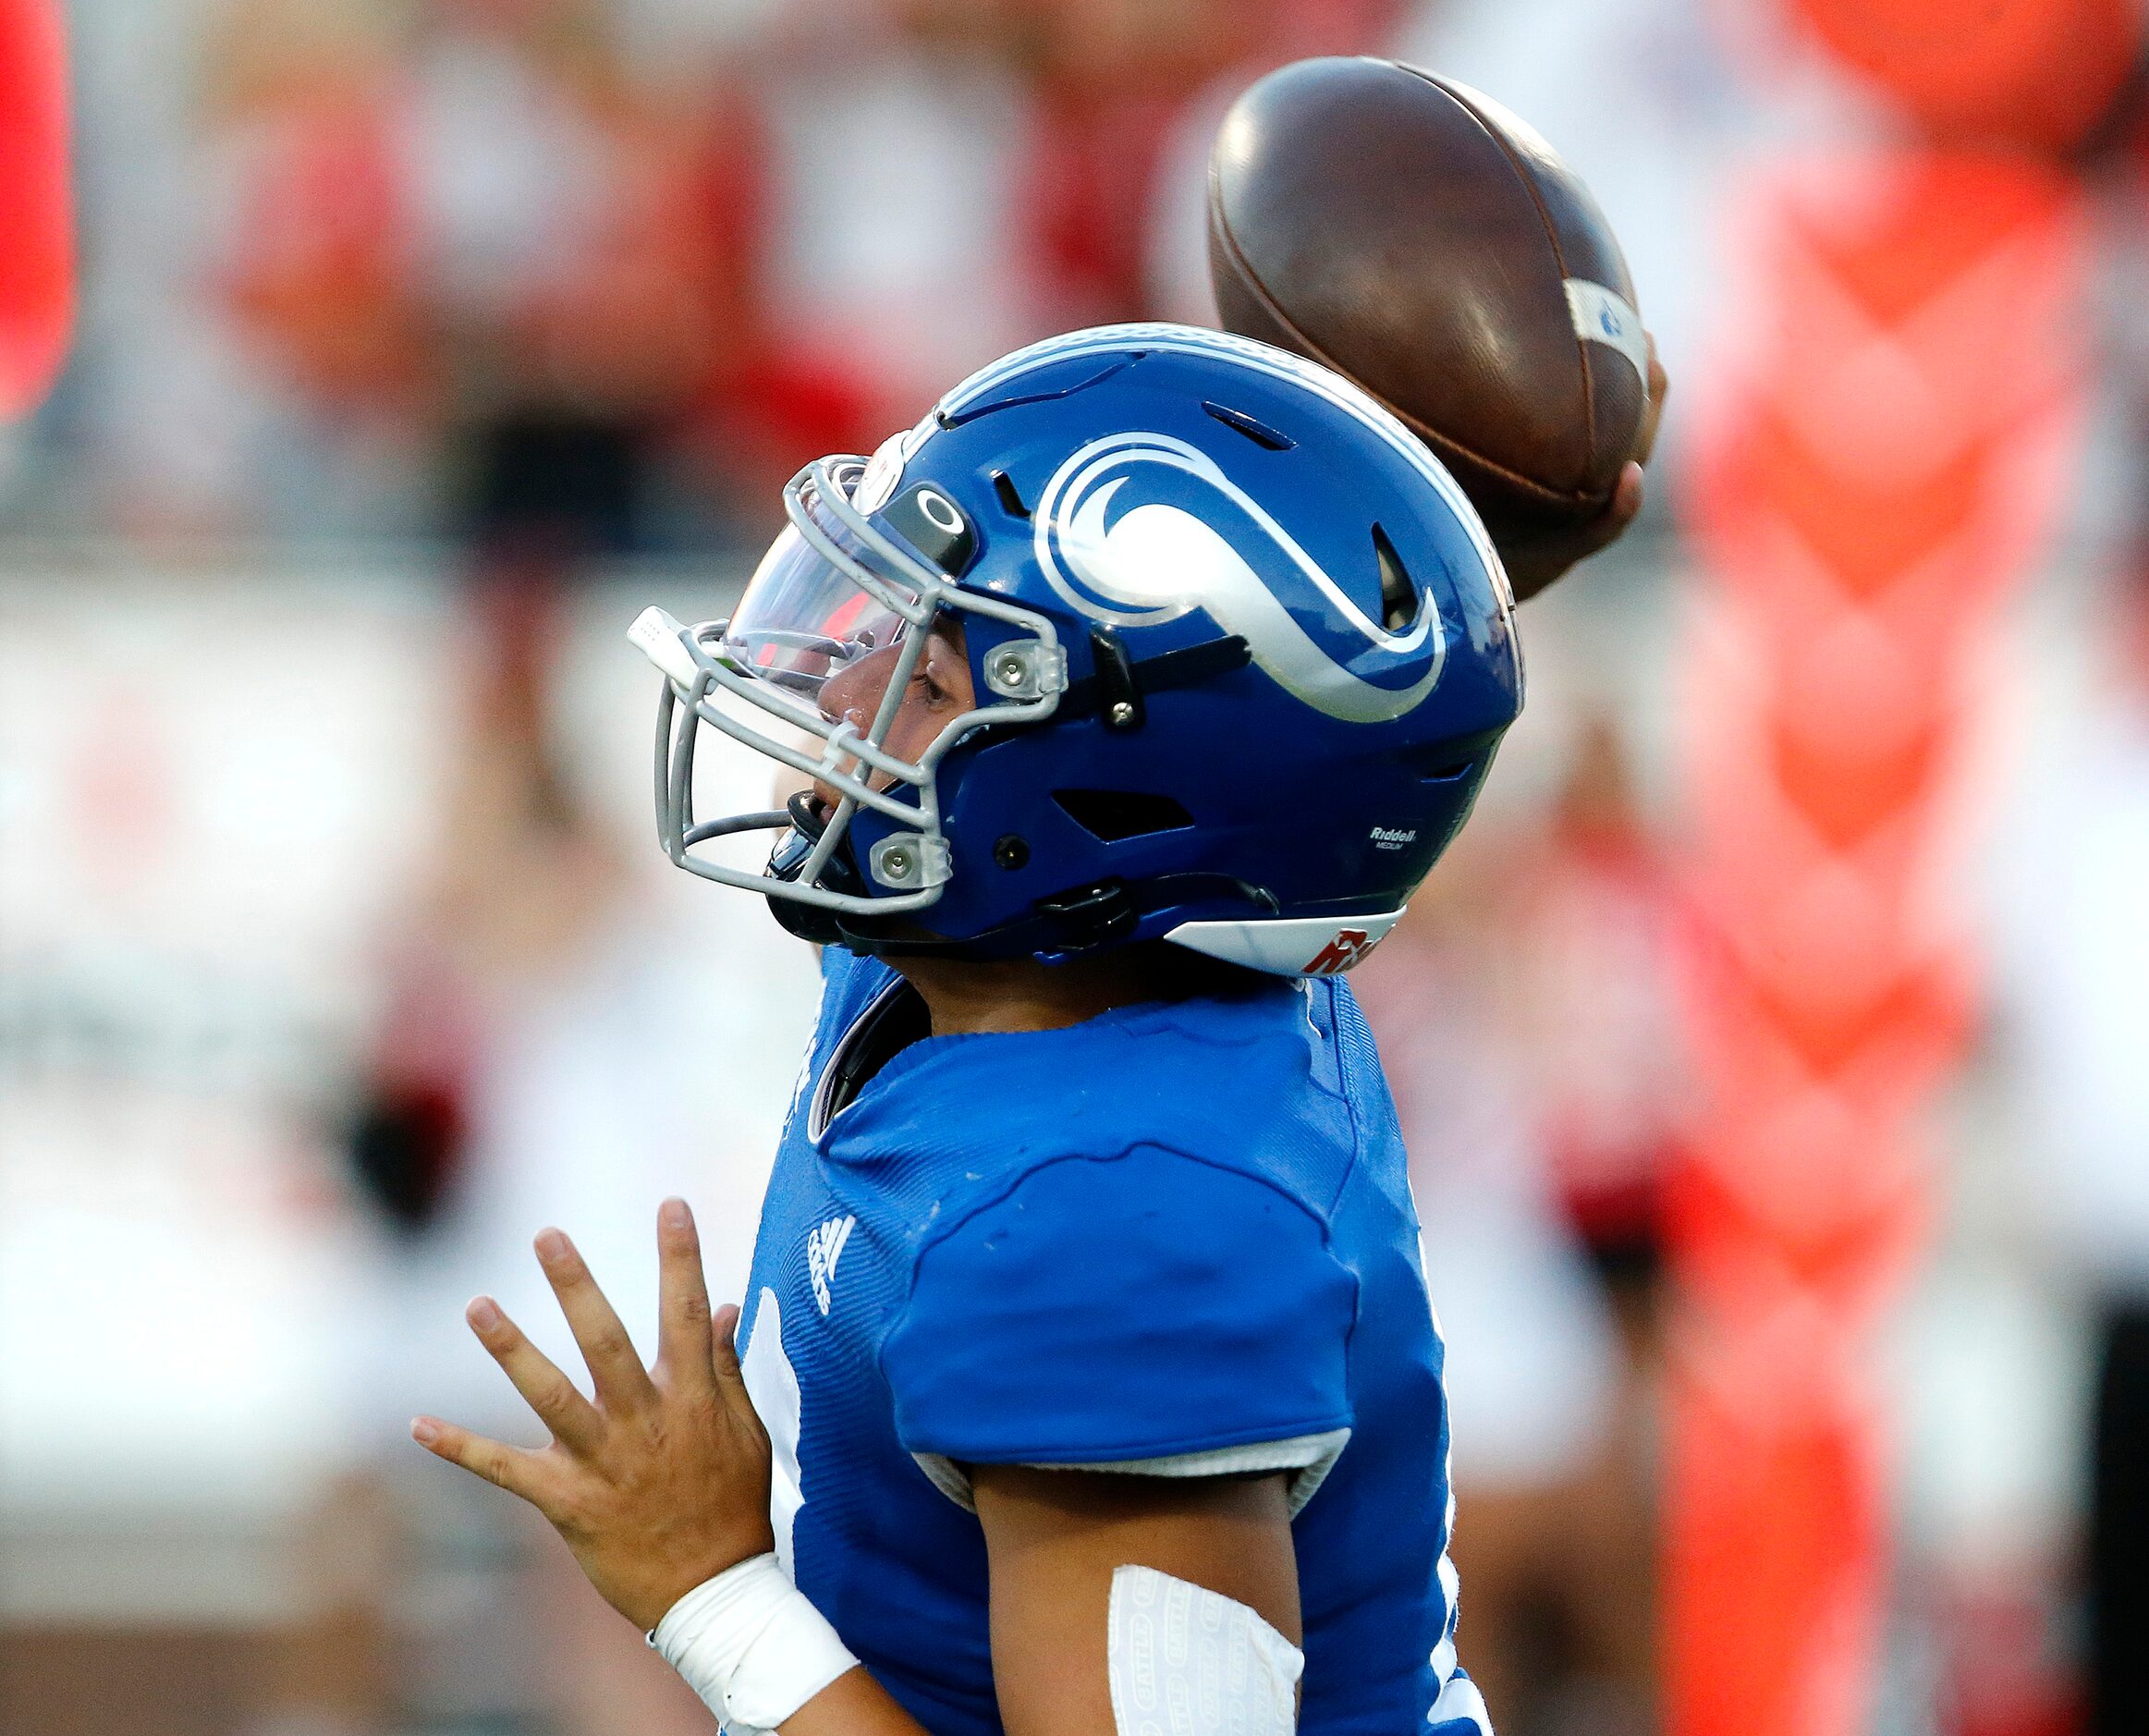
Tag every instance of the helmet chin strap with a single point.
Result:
(839, 874)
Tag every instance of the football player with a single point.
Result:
(1086, 1380)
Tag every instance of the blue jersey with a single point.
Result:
(1178, 1237)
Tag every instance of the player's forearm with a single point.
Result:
(853, 1705)
(753, 1646)
(762, 1657)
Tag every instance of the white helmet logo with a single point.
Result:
(1156, 561)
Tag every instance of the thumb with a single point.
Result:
(731, 1391)
(1627, 496)
(1651, 418)
(723, 1349)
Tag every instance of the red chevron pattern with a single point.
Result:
(1881, 469)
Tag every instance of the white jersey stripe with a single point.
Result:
(1459, 1711)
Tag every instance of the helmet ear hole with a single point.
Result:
(1398, 596)
(1110, 815)
(1010, 498)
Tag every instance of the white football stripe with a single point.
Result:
(1603, 316)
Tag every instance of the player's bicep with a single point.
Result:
(1056, 1542)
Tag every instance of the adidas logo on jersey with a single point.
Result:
(823, 1248)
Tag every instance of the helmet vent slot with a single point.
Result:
(1260, 432)
(1398, 596)
(1111, 815)
(1010, 498)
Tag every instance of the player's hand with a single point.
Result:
(1535, 554)
(662, 1481)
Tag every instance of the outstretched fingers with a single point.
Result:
(683, 1338)
(616, 1370)
(515, 1469)
(572, 1419)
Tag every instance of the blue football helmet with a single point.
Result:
(1239, 655)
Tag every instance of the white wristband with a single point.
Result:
(751, 1645)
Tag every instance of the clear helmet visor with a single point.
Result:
(806, 619)
(835, 633)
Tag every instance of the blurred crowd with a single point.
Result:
(561, 270)
(457, 306)
(410, 325)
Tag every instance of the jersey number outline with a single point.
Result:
(773, 1384)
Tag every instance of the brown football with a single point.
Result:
(1415, 235)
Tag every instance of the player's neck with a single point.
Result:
(968, 1000)
(1021, 994)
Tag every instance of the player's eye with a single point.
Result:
(935, 673)
(936, 691)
